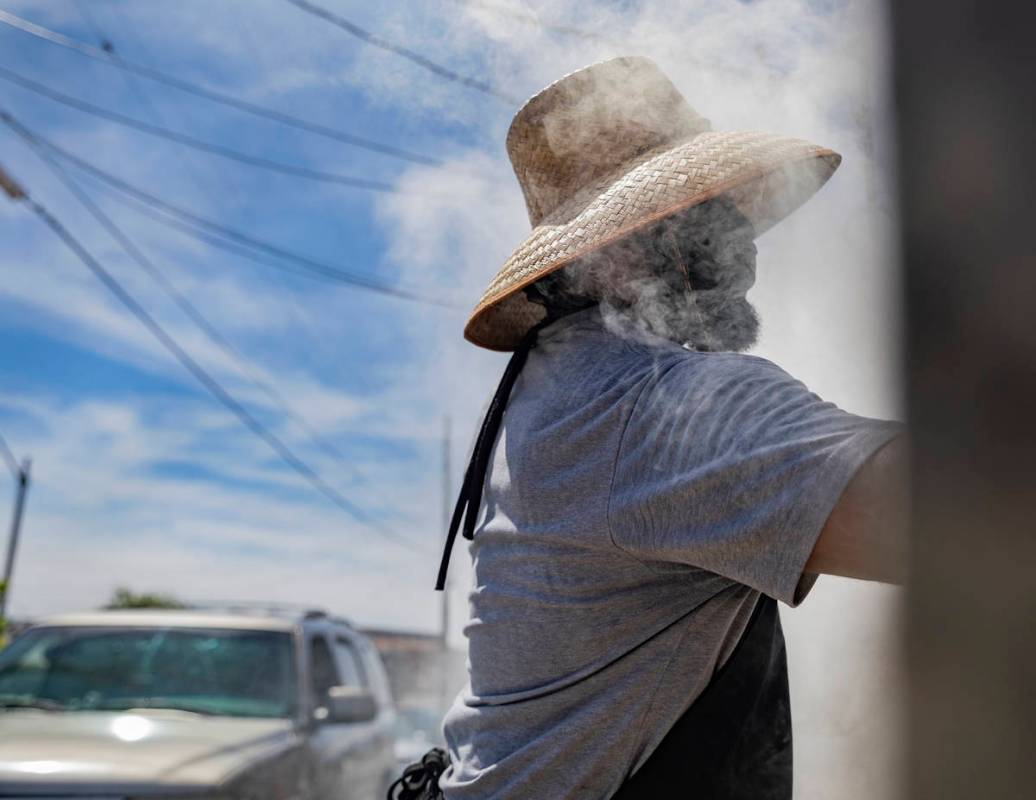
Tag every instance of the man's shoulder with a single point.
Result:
(695, 367)
(687, 385)
(662, 363)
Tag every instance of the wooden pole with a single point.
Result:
(447, 501)
(21, 490)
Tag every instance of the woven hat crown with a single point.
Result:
(591, 123)
(608, 150)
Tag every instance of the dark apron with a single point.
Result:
(734, 742)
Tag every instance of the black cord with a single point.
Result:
(420, 781)
(470, 497)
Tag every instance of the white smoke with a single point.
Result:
(826, 291)
(826, 286)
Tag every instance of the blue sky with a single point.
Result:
(141, 479)
(71, 358)
(139, 474)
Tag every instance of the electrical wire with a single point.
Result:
(109, 57)
(133, 83)
(213, 386)
(245, 244)
(203, 178)
(410, 55)
(534, 21)
(190, 141)
(244, 252)
(193, 313)
(12, 462)
(91, 23)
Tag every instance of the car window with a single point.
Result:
(350, 663)
(207, 671)
(324, 672)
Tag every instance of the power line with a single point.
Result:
(192, 311)
(270, 255)
(88, 18)
(162, 280)
(417, 58)
(133, 82)
(190, 141)
(206, 178)
(534, 20)
(258, 257)
(211, 385)
(306, 264)
(8, 455)
(109, 57)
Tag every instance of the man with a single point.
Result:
(650, 492)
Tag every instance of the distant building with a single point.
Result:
(420, 671)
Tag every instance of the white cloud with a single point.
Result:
(827, 287)
(101, 515)
(102, 512)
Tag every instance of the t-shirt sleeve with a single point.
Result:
(729, 464)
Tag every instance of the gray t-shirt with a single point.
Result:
(639, 498)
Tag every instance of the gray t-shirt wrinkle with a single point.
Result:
(639, 498)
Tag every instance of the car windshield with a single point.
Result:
(237, 673)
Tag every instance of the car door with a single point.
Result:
(374, 745)
(335, 749)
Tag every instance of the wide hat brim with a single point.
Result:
(766, 175)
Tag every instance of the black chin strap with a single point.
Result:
(470, 497)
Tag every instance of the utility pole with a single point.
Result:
(14, 192)
(444, 633)
(446, 501)
(21, 476)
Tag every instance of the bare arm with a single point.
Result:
(866, 535)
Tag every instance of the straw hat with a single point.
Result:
(612, 148)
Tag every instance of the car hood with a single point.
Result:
(147, 748)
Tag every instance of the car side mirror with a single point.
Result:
(348, 704)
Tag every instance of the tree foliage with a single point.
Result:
(124, 597)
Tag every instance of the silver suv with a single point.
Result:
(241, 705)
